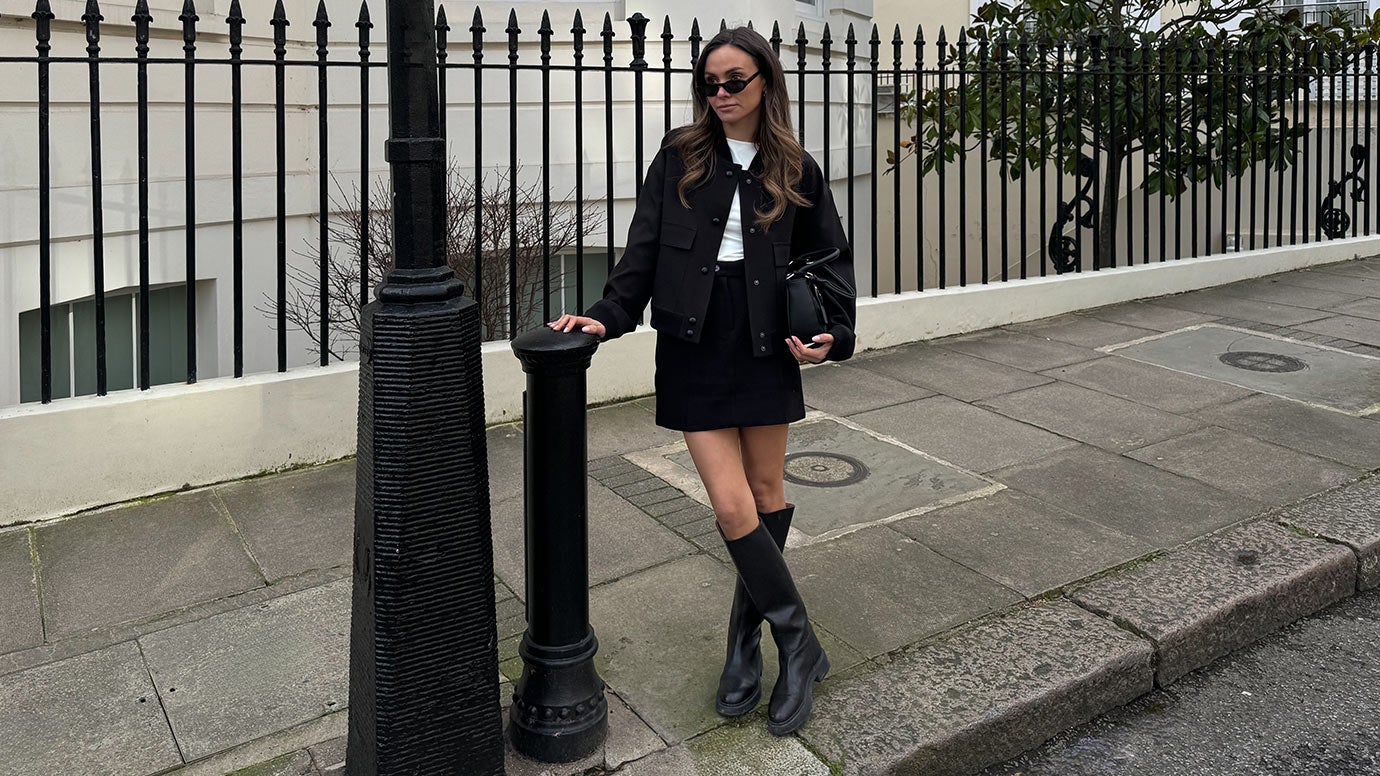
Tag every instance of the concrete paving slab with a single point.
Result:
(1148, 384)
(1363, 330)
(1362, 308)
(1358, 269)
(1082, 330)
(1270, 289)
(622, 428)
(1328, 281)
(292, 764)
(93, 715)
(504, 447)
(1345, 438)
(1022, 542)
(1331, 378)
(18, 594)
(1155, 506)
(979, 696)
(854, 478)
(1349, 515)
(1244, 465)
(667, 668)
(1223, 592)
(298, 521)
(939, 369)
(1145, 315)
(1091, 416)
(237, 676)
(1217, 303)
(842, 389)
(1023, 351)
(329, 754)
(895, 591)
(139, 561)
(622, 539)
(972, 437)
(732, 750)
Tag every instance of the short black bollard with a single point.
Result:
(559, 713)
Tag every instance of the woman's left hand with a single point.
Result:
(808, 355)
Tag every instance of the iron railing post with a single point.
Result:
(559, 712)
(423, 643)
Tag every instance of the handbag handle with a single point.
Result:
(814, 266)
(808, 261)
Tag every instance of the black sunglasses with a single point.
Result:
(732, 85)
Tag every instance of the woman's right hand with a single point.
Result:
(587, 325)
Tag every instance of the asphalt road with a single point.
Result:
(1302, 702)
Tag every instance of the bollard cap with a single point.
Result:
(542, 350)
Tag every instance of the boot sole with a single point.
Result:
(739, 709)
(797, 720)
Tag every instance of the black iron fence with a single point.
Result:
(956, 161)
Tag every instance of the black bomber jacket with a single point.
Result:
(671, 252)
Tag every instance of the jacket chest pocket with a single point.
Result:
(680, 236)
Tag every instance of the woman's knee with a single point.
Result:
(768, 495)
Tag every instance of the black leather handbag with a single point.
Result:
(817, 294)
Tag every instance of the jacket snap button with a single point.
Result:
(757, 282)
(761, 335)
(728, 173)
(689, 332)
(764, 348)
(692, 320)
(716, 220)
(704, 270)
(752, 230)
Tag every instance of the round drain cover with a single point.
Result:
(1256, 361)
(824, 470)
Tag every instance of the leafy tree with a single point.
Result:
(1085, 84)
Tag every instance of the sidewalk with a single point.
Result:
(999, 535)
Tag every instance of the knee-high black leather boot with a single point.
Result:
(740, 685)
(768, 582)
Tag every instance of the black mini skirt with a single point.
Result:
(718, 382)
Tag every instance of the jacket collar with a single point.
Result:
(721, 150)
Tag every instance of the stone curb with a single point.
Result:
(981, 695)
(1349, 515)
(1220, 593)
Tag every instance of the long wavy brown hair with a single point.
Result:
(780, 152)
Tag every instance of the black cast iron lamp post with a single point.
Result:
(559, 712)
(423, 642)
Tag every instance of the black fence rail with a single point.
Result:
(958, 160)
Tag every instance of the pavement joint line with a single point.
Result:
(219, 505)
(36, 565)
(167, 720)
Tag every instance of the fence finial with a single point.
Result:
(545, 32)
(280, 23)
(189, 20)
(942, 39)
(477, 27)
(43, 17)
(93, 20)
(321, 23)
(876, 39)
(364, 23)
(800, 40)
(236, 21)
(919, 34)
(142, 19)
(723, 24)
(776, 38)
(513, 30)
(442, 24)
(578, 30)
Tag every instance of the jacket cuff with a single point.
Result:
(844, 341)
(615, 320)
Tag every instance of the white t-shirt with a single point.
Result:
(731, 248)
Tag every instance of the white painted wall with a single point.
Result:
(51, 462)
(71, 220)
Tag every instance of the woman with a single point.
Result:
(727, 202)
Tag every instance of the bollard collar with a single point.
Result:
(543, 351)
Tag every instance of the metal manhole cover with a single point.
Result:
(1257, 361)
(824, 470)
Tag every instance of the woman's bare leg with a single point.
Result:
(719, 459)
(764, 461)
